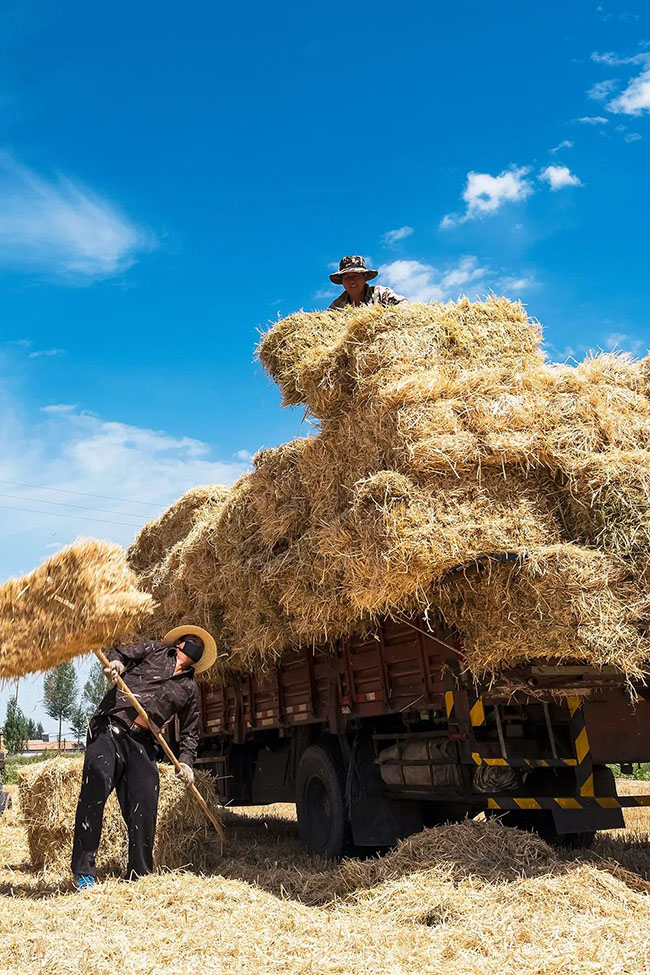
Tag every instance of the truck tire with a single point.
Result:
(323, 823)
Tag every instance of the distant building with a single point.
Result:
(38, 746)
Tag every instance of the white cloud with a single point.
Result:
(485, 194)
(559, 177)
(424, 282)
(47, 353)
(611, 59)
(244, 455)
(636, 97)
(60, 227)
(393, 236)
(602, 89)
(622, 342)
(633, 137)
(565, 144)
(89, 461)
(592, 120)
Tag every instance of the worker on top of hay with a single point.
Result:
(121, 751)
(354, 276)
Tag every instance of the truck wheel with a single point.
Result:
(320, 800)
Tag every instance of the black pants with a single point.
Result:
(124, 761)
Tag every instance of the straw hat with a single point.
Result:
(354, 264)
(209, 654)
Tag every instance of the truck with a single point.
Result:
(376, 736)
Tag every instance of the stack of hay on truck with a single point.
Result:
(439, 603)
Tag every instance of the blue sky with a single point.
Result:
(174, 177)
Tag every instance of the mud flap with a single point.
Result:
(586, 820)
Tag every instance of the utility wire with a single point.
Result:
(62, 514)
(66, 504)
(84, 494)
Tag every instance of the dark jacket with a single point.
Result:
(150, 677)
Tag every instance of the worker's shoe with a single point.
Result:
(84, 881)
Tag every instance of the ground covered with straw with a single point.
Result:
(464, 899)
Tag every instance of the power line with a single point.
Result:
(66, 504)
(84, 494)
(61, 514)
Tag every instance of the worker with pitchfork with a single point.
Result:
(121, 751)
(354, 276)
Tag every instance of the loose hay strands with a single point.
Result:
(470, 899)
(83, 598)
(48, 800)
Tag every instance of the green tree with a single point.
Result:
(15, 728)
(34, 729)
(95, 687)
(78, 721)
(60, 693)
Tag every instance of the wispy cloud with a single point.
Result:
(621, 341)
(46, 353)
(592, 120)
(602, 89)
(611, 59)
(394, 236)
(633, 137)
(565, 144)
(60, 227)
(559, 177)
(424, 282)
(485, 194)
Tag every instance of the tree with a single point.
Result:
(95, 687)
(79, 722)
(34, 730)
(15, 728)
(60, 693)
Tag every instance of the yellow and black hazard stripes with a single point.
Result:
(565, 802)
(477, 713)
(450, 705)
(584, 768)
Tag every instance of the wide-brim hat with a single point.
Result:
(353, 264)
(209, 654)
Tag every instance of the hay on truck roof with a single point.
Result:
(48, 800)
(83, 598)
(444, 437)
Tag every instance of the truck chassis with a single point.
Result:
(387, 732)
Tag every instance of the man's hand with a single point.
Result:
(185, 773)
(114, 670)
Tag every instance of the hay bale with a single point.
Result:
(48, 801)
(158, 537)
(562, 603)
(83, 598)
(323, 358)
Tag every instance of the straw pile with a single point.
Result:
(84, 598)
(48, 800)
(445, 439)
(467, 899)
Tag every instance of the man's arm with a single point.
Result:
(388, 297)
(189, 720)
(129, 655)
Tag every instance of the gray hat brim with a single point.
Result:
(337, 277)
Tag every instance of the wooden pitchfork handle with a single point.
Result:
(104, 661)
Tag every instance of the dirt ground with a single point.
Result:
(471, 898)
